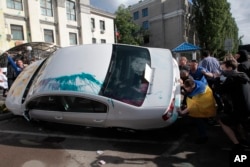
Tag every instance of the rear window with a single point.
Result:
(125, 80)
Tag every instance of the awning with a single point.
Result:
(36, 47)
(186, 47)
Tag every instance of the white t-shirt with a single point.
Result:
(3, 81)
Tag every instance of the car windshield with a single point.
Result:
(125, 80)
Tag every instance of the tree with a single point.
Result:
(214, 24)
(127, 31)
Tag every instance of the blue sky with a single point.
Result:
(239, 9)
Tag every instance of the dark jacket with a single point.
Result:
(244, 63)
(235, 92)
(3, 60)
(11, 74)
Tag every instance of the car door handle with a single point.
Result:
(58, 117)
(98, 120)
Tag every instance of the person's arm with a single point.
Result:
(182, 112)
(13, 64)
(206, 73)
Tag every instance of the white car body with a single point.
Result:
(79, 84)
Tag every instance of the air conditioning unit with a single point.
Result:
(9, 37)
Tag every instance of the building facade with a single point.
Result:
(62, 22)
(166, 21)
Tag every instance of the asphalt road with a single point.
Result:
(43, 144)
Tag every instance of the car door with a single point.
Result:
(83, 111)
(47, 108)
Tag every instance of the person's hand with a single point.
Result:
(180, 111)
(216, 75)
(180, 81)
(203, 72)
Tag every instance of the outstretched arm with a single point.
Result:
(13, 64)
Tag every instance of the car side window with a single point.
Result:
(67, 104)
(46, 103)
(87, 106)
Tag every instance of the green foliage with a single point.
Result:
(214, 24)
(129, 32)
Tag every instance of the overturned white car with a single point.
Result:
(100, 85)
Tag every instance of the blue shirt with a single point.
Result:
(211, 64)
(198, 75)
(13, 64)
(199, 88)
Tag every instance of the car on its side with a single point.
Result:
(100, 85)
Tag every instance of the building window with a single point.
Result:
(71, 10)
(15, 4)
(144, 12)
(92, 23)
(17, 32)
(46, 7)
(136, 15)
(93, 40)
(72, 38)
(48, 36)
(102, 25)
(103, 41)
(145, 25)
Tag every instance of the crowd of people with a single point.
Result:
(11, 67)
(220, 91)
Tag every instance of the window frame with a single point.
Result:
(93, 40)
(145, 12)
(48, 32)
(74, 35)
(145, 25)
(103, 41)
(17, 29)
(92, 23)
(102, 25)
(71, 10)
(48, 8)
(14, 4)
(136, 15)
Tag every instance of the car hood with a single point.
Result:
(80, 68)
(15, 94)
(76, 68)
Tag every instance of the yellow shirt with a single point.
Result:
(202, 105)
